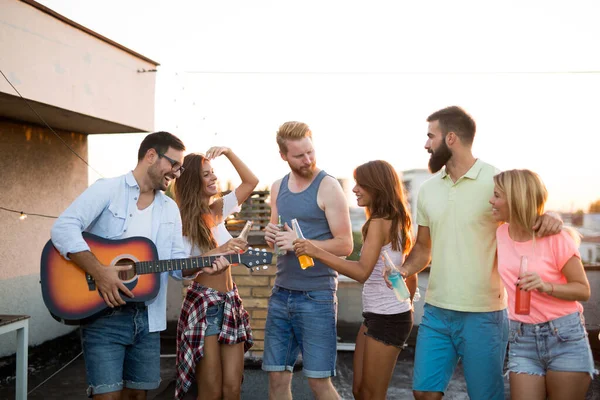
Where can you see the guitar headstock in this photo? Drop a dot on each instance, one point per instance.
(253, 258)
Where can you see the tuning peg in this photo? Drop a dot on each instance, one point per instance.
(250, 248)
(266, 266)
(258, 268)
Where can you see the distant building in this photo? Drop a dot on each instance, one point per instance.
(590, 250)
(412, 180)
(591, 221)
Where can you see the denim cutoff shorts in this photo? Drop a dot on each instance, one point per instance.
(120, 351)
(301, 321)
(214, 319)
(558, 345)
(389, 329)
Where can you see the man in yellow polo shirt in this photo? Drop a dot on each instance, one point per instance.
(465, 306)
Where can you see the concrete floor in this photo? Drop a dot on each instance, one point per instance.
(70, 383)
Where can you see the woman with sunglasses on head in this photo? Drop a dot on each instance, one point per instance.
(387, 320)
(213, 331)
(549, 355)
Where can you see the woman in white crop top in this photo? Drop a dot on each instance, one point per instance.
(387, 321)
(212, 300)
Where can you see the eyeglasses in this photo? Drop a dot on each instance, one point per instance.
(176, 167)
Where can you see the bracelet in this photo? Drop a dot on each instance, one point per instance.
(551, 291)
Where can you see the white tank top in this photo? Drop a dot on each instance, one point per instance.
(376, 296)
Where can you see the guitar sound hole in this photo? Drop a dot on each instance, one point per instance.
(128, 274)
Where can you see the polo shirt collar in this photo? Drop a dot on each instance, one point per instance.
(472, 173)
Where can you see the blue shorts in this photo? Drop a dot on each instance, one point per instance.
(479, 339)
(303, 322)
(214, 319)
(120, 352)
(558, 345)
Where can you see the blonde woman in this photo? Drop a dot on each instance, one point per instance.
(549, 354)
(213, 331)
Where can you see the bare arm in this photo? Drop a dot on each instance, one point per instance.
(412, 282)
(577, 287)
(249, 180)
(420, 255)
(332, 200)
(548, 224)
(358, 270)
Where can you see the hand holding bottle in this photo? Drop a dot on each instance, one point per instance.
(395, 279)
(285, 239)
(304, 247)
(305, 261)
(522, 298)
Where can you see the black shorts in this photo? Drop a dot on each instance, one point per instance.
(390, 329)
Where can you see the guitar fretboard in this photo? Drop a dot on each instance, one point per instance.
(150, 267)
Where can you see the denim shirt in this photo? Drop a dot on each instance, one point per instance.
(105, 209)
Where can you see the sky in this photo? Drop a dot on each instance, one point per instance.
(365, 76)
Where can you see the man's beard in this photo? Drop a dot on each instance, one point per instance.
(439, 158)
(305, 172)
(157, 179)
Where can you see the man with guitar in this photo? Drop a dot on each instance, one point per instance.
(121, 344)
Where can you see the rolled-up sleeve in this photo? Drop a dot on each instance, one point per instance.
(66, 231)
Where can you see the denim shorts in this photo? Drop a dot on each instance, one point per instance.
(392, 329)
(214, 319)
(477, 338)
(558, 345)
(120, 351)
(301, 321)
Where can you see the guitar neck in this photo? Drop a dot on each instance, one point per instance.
(183, 264)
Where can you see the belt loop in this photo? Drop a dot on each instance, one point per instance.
(552, 328)
(520, 328)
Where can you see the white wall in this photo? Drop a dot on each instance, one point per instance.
(57, 64)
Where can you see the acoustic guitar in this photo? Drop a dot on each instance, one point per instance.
(70, 294)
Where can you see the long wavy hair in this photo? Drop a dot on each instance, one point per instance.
(388, 201)
(193, 201)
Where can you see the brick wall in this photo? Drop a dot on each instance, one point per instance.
(255, 288)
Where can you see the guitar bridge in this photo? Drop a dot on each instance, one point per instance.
(90, 281)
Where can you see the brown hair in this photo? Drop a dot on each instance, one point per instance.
(455, 119)
(388, 201)
(191, 197)
(159, 141)
(291, 130)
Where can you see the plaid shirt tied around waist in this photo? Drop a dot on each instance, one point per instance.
(192, 327)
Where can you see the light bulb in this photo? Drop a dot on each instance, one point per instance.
(23, 216)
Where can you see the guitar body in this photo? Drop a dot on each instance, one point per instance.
(65, 288)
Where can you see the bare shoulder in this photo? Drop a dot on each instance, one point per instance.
(380, 223)
(379, 230)
(330, 184)
(275, 188)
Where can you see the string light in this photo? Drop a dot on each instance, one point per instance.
(23, 215)
(48, 126)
